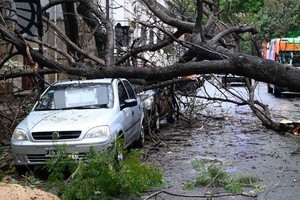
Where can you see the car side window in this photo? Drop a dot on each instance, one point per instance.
(129, 90)
(122, 93)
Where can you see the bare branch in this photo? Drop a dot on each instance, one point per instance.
(150, 47)
(237, 29)
(152, 5)
(64, 38)
(31, 39)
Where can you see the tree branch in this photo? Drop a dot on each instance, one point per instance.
(185, 26)
(67, 41)
(237, 29)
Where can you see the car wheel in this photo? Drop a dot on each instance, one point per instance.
(21, 169)
(277, 91)
(170, 118)
(270, 89)
(224, 81)
(140, 142)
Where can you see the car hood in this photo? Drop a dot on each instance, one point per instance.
(67, 119)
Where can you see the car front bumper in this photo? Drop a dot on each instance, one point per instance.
(32, 154)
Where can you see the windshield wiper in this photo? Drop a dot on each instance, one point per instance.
(96, 106)
(47, 109)
(42, 109)
(86, 107)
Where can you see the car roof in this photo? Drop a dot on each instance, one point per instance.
(103, 80)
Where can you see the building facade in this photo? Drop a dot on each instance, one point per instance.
(134, 26)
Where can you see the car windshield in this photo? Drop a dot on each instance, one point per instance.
(78, 96)
(290, 58)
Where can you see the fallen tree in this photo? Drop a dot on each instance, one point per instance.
(210, 45)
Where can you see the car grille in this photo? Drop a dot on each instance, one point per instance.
(40, 158)
(61, 135)
(37, 158)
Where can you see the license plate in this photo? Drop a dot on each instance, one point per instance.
(50, 152)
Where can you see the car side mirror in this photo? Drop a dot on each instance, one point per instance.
(129, 103)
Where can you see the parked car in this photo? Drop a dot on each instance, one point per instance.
(158, 104)
(277, 90)
(80, 115)
(231, 79)
(194, 82)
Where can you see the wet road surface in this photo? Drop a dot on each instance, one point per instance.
(235, 139)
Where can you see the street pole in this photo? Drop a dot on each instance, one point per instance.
(109, 54)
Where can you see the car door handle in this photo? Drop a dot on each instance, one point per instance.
(132, 112)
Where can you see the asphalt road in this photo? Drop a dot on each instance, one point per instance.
(287, 106)
(232, 137)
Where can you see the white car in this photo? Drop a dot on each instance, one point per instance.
(79, 115)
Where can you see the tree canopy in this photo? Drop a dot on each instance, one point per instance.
(278, 19)
(210, 45)
(191, 37)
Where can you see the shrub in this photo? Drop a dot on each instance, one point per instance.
(100, 175)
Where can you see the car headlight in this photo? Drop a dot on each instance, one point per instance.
(98, 132)
(19, 135)
(148, 102)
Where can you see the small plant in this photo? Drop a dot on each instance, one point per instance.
(214, 176)
(13, 64)
(27, 107)
(101, 175)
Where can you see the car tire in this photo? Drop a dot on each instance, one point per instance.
(277, 91)
(21, 169)
(223, 81)
(140, 142)
(270, 89)
(170, 118)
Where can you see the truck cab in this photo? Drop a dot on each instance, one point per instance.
(285, 51)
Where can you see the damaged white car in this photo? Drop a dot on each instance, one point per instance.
(79, 115)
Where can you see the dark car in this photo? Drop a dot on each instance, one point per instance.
(158, 104)
(231, 79)
(190, 83)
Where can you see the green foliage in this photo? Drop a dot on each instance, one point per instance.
(11, 64)
(245, 6)
(214, 176)
(278, 18)
(234, 187)
(169, 50)
(240, 11)
(274, 18)
(246, 45)
(27, 107)
(186, 9)
(100, 175)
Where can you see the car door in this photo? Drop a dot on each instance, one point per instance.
(128, 119)
(137, 111)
